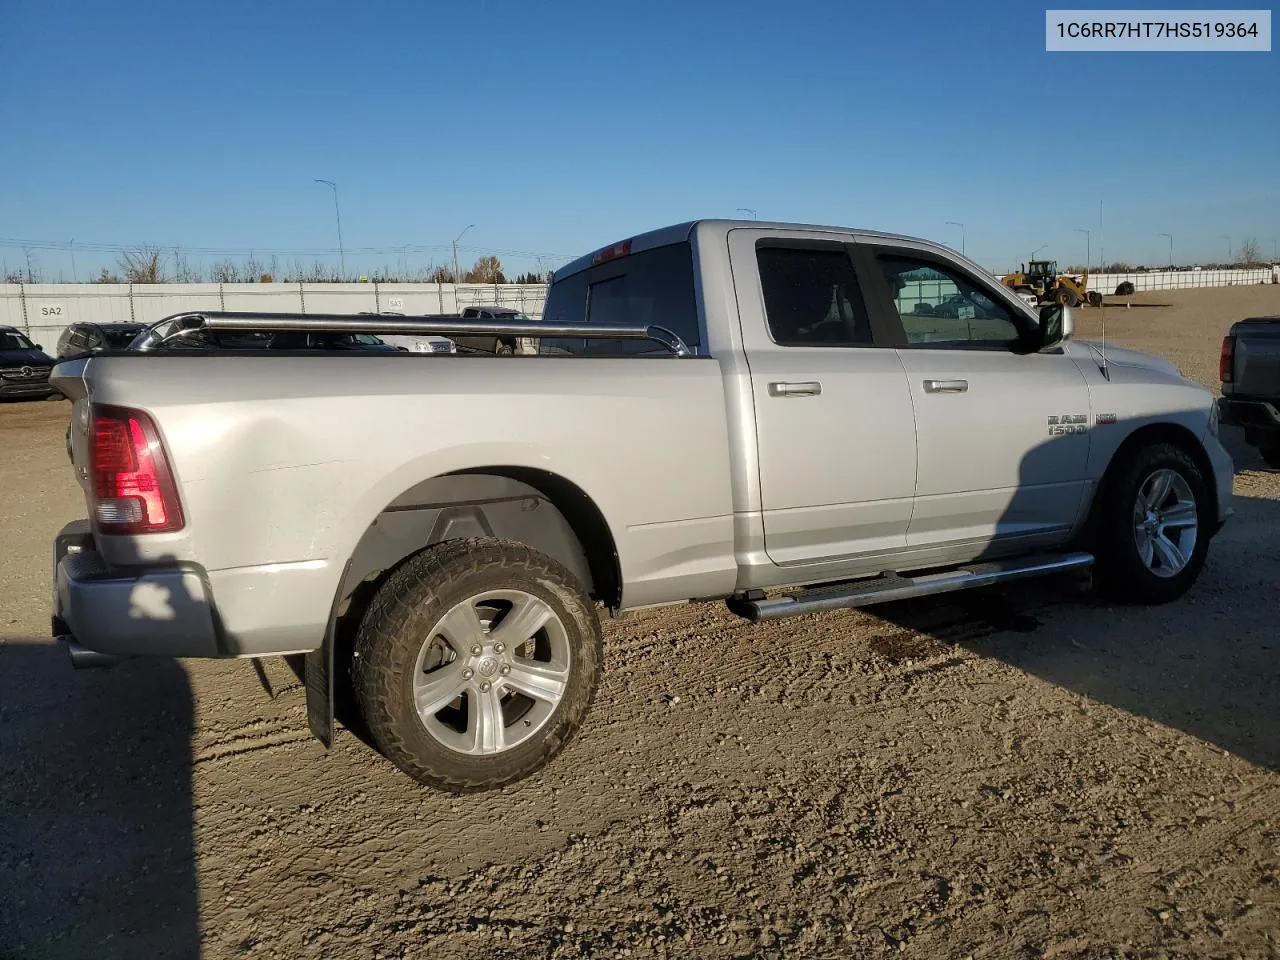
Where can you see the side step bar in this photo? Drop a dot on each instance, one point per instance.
(882, 589)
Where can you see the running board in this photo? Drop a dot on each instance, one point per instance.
(882, 589)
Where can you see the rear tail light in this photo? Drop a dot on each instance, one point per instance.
(1227, 359)
(133, 488)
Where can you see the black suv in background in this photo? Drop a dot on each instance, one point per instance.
(81, 338)
(24, 366)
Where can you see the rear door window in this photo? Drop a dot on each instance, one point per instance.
(650, 287)
(812, 298)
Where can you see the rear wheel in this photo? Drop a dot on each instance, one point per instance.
(476, 663)
(1153, 534)
(1095, 298)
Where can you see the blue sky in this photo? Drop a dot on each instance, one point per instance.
(556, 128)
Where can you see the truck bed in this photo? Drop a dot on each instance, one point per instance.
(286, 461)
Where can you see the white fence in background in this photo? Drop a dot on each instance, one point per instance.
(44, 310)
(1106, 283)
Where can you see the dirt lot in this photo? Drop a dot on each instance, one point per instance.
(1020, 774)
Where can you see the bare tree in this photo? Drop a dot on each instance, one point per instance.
(253, 270)
(183, 271)
(440, 275)
(224, 271)
(106, 276)
(316, 273)
(143, 264)
(1249, 254)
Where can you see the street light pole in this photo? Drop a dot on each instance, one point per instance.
(750, 211)
(342, 257)
(1088, 241)
(74, 278)
(1170, 236)
(456, 278)
(1037, 250)
(956, 223)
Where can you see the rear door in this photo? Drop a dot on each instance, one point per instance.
(835, 431)
(1003, 434)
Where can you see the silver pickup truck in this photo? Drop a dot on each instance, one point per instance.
(787, 418)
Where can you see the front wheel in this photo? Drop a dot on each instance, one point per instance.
(476, 663)
(1154, 527)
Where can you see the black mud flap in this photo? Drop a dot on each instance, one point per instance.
(319, 681)
(318, 673)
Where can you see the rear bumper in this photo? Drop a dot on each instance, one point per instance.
(1251, 414)
(166, 612)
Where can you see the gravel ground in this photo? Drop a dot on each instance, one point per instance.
(1026, 773)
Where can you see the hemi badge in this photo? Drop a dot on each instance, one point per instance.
(1103, 419)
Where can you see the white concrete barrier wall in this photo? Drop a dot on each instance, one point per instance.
(45, 310)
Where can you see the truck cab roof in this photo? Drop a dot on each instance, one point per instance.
(678, 232)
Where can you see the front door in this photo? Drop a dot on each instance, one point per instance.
(1003, 434)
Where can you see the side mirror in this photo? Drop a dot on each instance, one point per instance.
(1057, 324)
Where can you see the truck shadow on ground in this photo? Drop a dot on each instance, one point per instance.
(1206, 664)
(97, 808)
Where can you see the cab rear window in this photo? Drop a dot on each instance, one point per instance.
(651, 287)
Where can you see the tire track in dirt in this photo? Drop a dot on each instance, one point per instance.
(250, 738)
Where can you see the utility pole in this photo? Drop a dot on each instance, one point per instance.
(456, 278)
(954, 223)
(1170, 236)
(74, 279)
(1088, 239)
(342, 257)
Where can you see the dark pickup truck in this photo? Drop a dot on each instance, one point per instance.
(1249, 369)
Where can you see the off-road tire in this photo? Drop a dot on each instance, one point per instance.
(1125, 288)
(1066, 298)
(407, 607)
(1119, 573)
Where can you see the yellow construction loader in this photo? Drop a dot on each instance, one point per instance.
(1042, 279)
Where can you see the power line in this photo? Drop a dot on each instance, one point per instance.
(385, 250)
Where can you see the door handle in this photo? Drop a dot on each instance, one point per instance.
(946, 386)
(808, 389)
